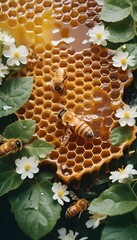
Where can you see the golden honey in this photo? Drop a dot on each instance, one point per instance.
(55, 33)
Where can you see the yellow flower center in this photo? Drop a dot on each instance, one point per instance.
(126, 115)
(60, 193)
(124, 61)
(99, 35)
(16, 55)
(27, 166)
(121, 170)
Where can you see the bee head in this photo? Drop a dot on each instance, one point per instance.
(58, 89)
(19, 144)
(61, 113)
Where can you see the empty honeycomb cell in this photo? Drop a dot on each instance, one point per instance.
(41, 133)
(12, 23)
(71, 96)
(79, 159)
(39, 92)
(87, 87)
(12, 14)
(96, 159)
(59, 133)
(43, 124)
(87, 155)
(38, 21)
(87, 96)
(97, 141)
(22, 2)
(105, 154)
(63, 150)
(47, 4)
(92, 86)
(37, 110)
(79, 100)
(51, 129)
(66, 9)
(79, 150)
(96, 65)
(96, 150)
(53, 119)
(82, 19)
(115, 94)
(49, 138)
(29, 6)
(104, 72)
(87, 70)
(71, 146)
(71, 155)
(4, 8)
(63, 64)
(61, 159)
(78, 168)
(66, 19)
(104, 54)
(66, 171)
(96, 75)
(87, 164)
(70, 164)
(29, 114)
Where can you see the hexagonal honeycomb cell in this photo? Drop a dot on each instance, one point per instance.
(55, 33)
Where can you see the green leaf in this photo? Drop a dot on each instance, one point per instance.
(131, 48)
(122, 31)
(118, 199)
(9, 179)
(46, 176)
(134, 9)
(115, 10)
(119, 135)
(22, 129)
(38, 148)
(120, 232)
(14, 93)
(34, 208)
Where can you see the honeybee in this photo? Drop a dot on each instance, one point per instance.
(78, 125)
(58, 81)
(10, 146)
(79, 206)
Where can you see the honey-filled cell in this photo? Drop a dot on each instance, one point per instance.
(92, 87)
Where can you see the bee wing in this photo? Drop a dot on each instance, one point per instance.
(3, 139)
(66, 136)
(73, 196)
(88, 117)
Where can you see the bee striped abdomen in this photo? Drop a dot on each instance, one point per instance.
(72, 211)
(83, 130)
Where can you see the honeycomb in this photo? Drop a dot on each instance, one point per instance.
(55, 32)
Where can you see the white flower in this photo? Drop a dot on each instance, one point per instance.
(60, 193)
(126, 115)
(70, 236)
(6, 39)
(16, 55)
(122, 174)
(95, 220)
(3, 69)
(122, 59)
(26, 167)
(98, 35)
